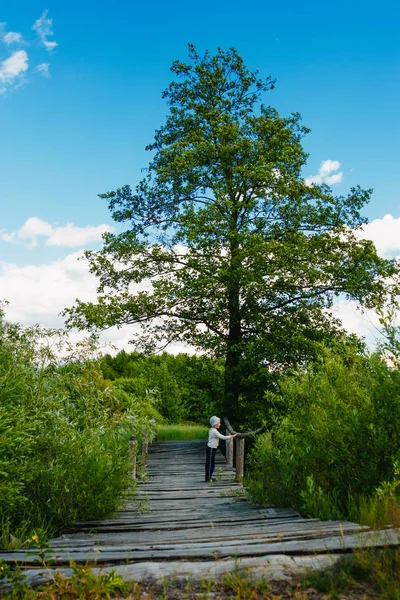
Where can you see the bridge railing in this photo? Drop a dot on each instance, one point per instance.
(235, 448)
(133, 449)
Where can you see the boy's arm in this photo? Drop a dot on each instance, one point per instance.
(223, 437)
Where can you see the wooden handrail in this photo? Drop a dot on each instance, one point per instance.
(145, 448)
(132, 454)
(247, 433)
(239, 441)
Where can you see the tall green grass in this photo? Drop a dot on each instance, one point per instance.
(371, 570)
(181, 432)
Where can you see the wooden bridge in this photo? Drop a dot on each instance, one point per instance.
(178, 526)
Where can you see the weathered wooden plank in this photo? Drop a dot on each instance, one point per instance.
(164, 531)
(111, 541)
(275, 568)
(221, 531)
(208, 546)
(217, 517)
(179, 517)
(195, 524)
(328, 544)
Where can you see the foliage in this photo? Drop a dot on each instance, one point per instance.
(235, 253)
(63, 433)
(183, 386)
(83, 583)
(375, 571)
(335, 450)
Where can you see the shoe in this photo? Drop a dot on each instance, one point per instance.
(211, 481)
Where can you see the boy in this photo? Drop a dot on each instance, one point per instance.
(213, 441)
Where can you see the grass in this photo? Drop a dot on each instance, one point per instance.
(182, 431)
(367, 571)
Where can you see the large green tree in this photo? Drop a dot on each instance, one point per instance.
(225, 246)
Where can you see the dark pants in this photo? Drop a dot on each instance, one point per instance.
(210, 462)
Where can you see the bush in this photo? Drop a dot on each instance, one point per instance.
(64, 433)
(338, 440)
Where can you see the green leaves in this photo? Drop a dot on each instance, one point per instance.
(223, 237)
(64, 432)
(336, 434)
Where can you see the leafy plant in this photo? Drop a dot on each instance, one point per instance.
(64, 434)
(335, 448)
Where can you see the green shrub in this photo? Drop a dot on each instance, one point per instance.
(64, 433)
(338, 440)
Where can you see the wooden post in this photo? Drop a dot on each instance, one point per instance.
(239, 459)
(132, 454)
(145, 447)
(229, 451)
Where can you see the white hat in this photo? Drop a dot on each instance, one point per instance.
(214, 421)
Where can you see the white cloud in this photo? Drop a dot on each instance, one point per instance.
(34, 227)
(39, 293)
(13, 67)
(385, 233)
(43, 68)
(13, 37)
(68, 235)
(44, 29)
(71, 235)
(50, 46)
(331, 179)
(327, 167)
(362, 323)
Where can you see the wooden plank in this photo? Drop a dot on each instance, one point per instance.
(275, 568)
(225, 531)
(194, 529)
(329, 544)
(209, 547)
(183, 518)
(256, 537)
(164, 527)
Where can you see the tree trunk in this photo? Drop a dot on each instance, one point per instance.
(234, 349)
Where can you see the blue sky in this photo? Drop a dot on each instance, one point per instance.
(78, 126)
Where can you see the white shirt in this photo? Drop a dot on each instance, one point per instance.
(214, 436)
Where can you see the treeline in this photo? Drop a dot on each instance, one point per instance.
(183, 387)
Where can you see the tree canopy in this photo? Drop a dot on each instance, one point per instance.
(225, 246)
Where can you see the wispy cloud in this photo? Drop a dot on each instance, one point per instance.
(326, 173)
(68, 235)
(44, 29)
(13, 68)
(43, 68)
(13, 37)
